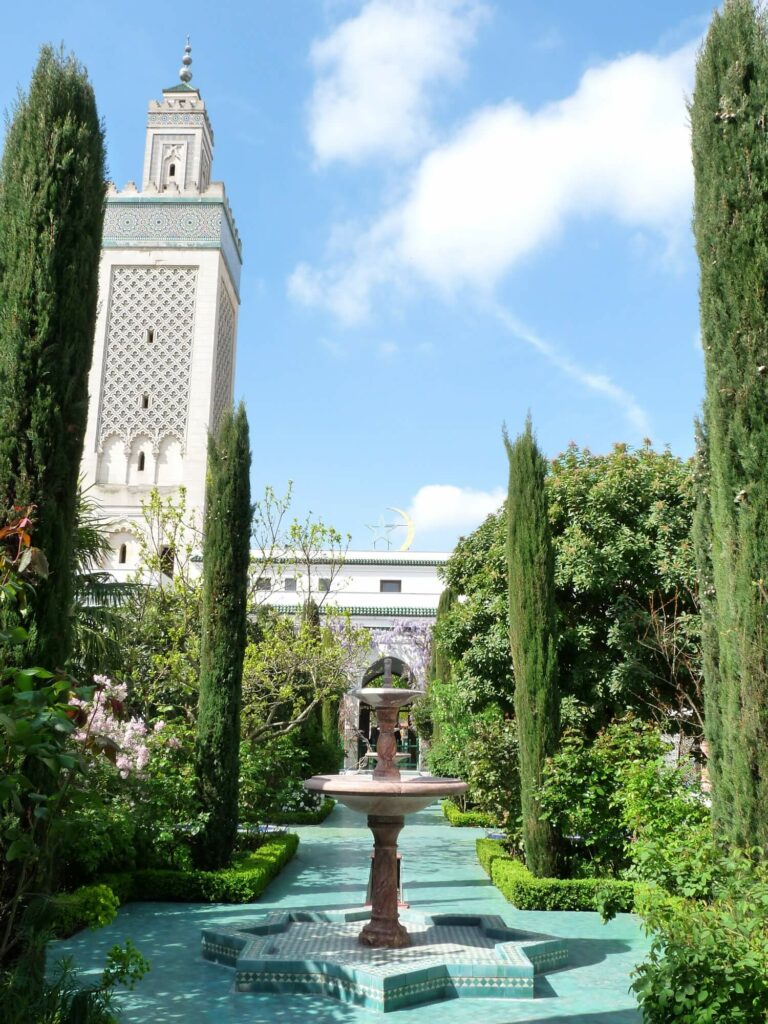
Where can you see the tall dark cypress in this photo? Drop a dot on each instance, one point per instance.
(532, 637)
(226, 552)
(440, 665)
(729, 117)
(52, 189)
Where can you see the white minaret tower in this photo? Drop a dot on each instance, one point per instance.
(164, 355)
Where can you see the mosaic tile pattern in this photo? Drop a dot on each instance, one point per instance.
(451, 956)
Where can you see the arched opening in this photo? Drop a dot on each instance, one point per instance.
(387, 671)
(140, 465)
(122, 555)
(145, 401)
(172, 171)
(150, 335)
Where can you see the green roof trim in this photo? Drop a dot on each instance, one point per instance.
(394, 562)
(399, 613)
(182, 87)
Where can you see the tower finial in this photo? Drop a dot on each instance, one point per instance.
(184, 73)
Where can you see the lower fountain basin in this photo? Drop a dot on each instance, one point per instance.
(452, 956)
(386, 797)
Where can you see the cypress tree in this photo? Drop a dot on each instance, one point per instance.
(226, 554)
(729, 116)
(52, 191)
(532, 637)
(440, 667)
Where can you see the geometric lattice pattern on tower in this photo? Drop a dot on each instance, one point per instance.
(225, 355)
(148, 354)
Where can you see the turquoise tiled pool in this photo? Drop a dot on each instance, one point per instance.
(441, 875)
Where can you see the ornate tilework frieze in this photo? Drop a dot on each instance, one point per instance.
(148, 354)
(169, 222)
(225, 356)
(180, 119)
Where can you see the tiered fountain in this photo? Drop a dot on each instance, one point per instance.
(383, 967)
(386, 797)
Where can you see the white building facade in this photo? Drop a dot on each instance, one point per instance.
(395, 595)
(377, 589)
(164, 355)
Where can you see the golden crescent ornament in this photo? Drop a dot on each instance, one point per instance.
(408, 523)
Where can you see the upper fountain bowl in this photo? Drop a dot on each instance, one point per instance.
(390, 797)
(386, 696)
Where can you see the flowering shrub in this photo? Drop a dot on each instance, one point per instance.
(123, 739)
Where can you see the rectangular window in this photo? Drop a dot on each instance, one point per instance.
(289, 583)
(390, 586)
(324, 584)
(264, 583)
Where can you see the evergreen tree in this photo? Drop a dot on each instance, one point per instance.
(729, 115)
(440, 664)
(532, 637)
(52, 191)
(226, 554)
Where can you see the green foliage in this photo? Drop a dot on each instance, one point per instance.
(628, 640)
(533, 638)
(160, 622)
(619, 805)
(467, 819)
(731, 175)
(51, 214)
(242, 883)
(292, 669)
(37, 760)
(709, 958)
(271, 774)
(488, 850)
(303, 817)
(63, 998)
(526, 892)
(226, 557)
(98, 832)
(582, 793)
(97, 626)
(91, 906)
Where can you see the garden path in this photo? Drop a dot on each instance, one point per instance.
(441, 874)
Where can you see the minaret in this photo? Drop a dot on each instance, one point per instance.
(164, 355)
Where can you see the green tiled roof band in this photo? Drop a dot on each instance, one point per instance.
(406, 613)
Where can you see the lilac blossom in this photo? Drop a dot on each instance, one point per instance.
(106, 727)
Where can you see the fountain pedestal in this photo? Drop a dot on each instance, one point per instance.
(386, 797)
(384, 928)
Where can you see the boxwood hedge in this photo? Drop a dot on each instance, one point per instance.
(526, 892)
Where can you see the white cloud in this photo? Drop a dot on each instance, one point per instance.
(376, 72)
(510, 180)
(599, 383)
(388, 349)
(437, 507)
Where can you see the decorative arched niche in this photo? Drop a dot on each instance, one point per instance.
(112, 465)
(141, 463)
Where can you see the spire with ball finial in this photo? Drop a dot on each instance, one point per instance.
(184, 73)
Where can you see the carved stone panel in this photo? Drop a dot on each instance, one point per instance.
(225, 357)
(148, 354)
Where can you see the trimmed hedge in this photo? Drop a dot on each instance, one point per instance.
(243, 883)
(467, 819)
(95, 905)
(304, 817)
(526, 892)
(489, 850)
(91, 906)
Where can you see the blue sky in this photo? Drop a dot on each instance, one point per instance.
(452, 211)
